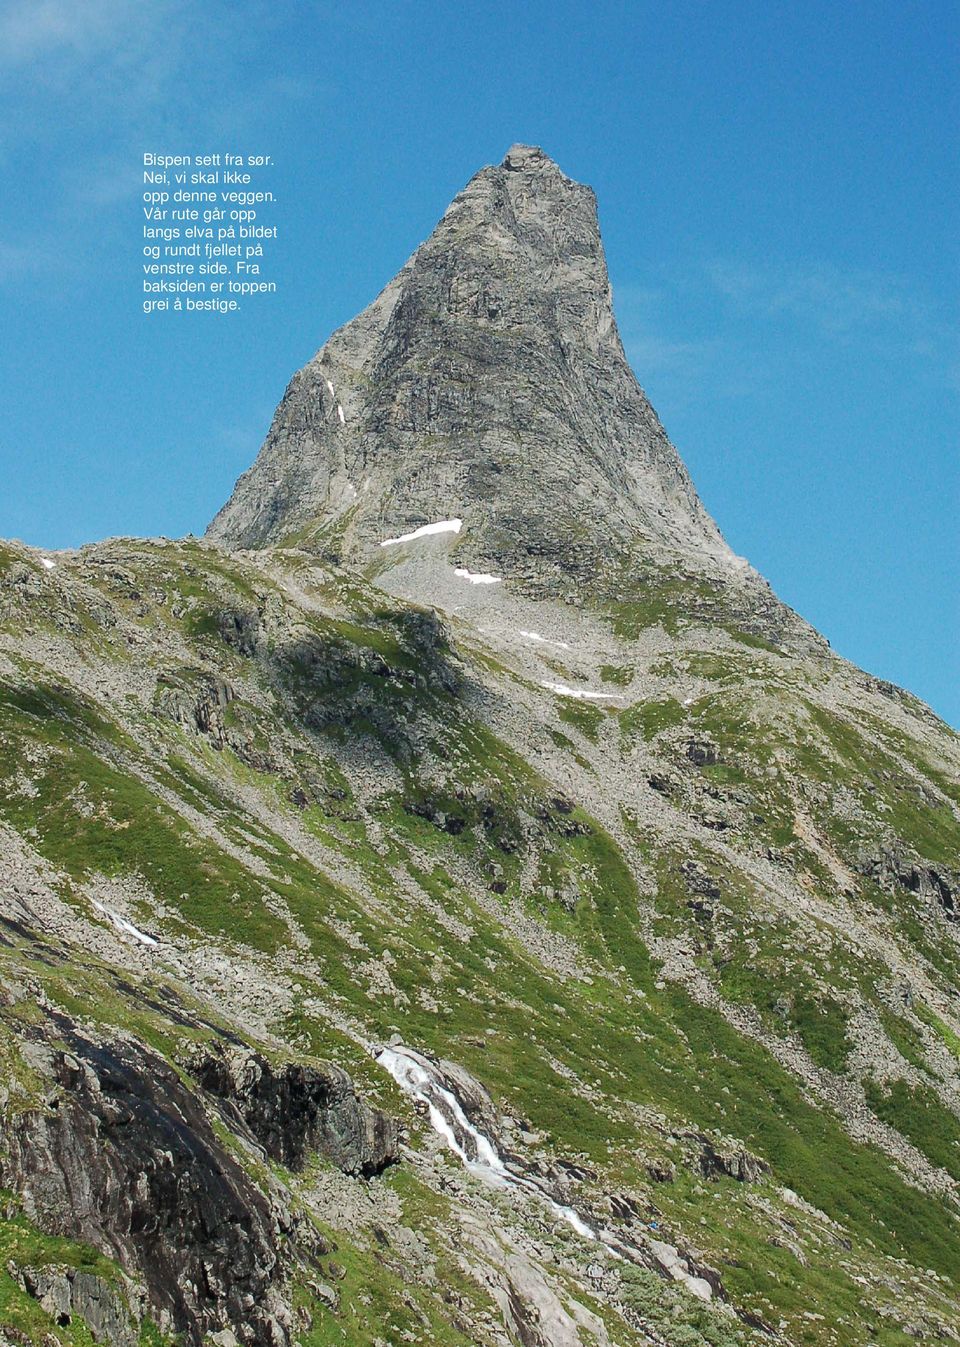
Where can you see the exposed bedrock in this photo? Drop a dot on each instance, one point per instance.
(294, 1109)
(122, 1156)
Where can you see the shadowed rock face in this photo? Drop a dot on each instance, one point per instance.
(124, 1158)
(488, 383)
(294, 1109)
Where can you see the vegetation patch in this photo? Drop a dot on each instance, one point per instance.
(649, 719)
(584, 717)
(917, 1113)
(619, 674)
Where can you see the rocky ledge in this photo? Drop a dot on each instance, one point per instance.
(121, 1154)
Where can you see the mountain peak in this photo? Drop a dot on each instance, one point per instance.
(486, 383)
(527, 158)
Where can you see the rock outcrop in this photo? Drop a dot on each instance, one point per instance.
(294, 1110)
(122, 1156)
(68, 1293)
(487, 384)
(937, 887)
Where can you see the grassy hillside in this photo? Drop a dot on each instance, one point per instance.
(711, 914)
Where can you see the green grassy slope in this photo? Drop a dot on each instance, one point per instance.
(349, 821)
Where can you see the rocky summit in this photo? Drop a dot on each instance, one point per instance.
(456, 902)
(487, 382)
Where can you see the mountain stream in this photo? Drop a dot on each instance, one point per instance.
(421, 1078)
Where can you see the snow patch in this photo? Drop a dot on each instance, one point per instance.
(47, 564)
(579, 694)
(330, 386)
(444, 526)
(478, 579)
(343, 419)
(544, 640)
(123, 926)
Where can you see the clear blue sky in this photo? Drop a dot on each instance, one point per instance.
(777, 186)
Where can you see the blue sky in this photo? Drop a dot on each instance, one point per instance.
(777, 187)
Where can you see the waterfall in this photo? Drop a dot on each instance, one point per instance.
(419, 1077)
(423, 1080)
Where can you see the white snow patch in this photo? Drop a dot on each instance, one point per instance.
(444, 526)
(579, 694)
(688, 701)
(343, 419)
(478, 579)
(544, 640)
(124, 926)
(47, 563)
(330, 386)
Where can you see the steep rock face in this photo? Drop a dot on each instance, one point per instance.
(295, 1109)
(117, 1151)
(123, 1157)
(486, 383)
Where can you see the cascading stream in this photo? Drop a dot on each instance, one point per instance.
(478, 1152)
(447, 1117)
(421, 1079)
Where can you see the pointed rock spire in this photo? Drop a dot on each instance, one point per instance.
(486, 383)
